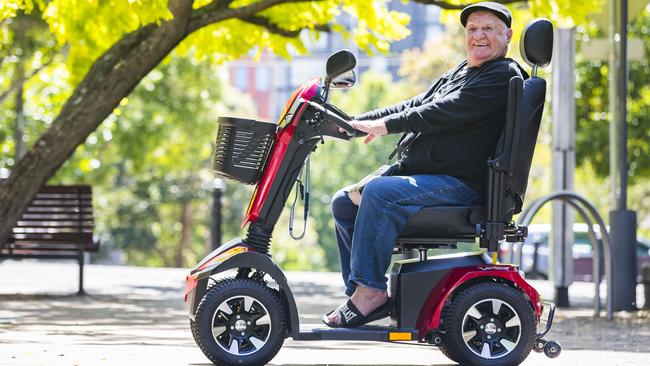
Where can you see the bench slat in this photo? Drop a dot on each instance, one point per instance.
(49, 201)
(45, 246)
(54, 216)
(53, 246)
(56, 205)
(62, 237)
(38, 255)
(58, 210)
(43, 231)
(65, 189)
(55, 220)
(62, 198)
(67, 227)
(63, 194)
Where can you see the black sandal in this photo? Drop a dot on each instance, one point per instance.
(351, 317)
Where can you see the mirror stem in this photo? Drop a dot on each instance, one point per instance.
(326, 86)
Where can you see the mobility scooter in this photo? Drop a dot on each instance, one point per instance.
(478, 312)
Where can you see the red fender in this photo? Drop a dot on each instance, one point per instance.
(429, 317)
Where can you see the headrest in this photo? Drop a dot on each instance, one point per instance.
(536, 44)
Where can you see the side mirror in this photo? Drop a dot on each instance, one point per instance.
(344, 80)
(338, 64)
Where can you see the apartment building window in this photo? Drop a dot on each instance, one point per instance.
(262, 78)
(240, 78)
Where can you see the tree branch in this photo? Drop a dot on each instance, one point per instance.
(449, 6)
(271, 27)
(323, 28)
(276, 29)
(217, 5)
(208, 15)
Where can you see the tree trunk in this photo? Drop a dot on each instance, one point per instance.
(186, 234)
(109, 80)
(19, 132)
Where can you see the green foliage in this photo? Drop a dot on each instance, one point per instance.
(375, 28)
(152, 156)
(91, 27)
(592, 109)
(592, 127)
(10, 8)
(566, 14)
(29, 57)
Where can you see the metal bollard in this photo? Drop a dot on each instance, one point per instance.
(645, 280)
(218, 187)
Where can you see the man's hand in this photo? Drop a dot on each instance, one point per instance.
(375, 127)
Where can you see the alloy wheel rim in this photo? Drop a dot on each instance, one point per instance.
(491, 328)
(241, 325)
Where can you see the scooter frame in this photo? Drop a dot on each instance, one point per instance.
(420, 288)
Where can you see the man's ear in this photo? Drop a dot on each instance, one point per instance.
(509, 34)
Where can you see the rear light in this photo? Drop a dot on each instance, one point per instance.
(191, 282)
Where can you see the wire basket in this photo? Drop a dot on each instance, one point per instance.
(242, 148)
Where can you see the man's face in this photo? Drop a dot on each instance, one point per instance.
(486, 37)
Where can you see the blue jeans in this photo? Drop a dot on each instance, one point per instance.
(366, 234)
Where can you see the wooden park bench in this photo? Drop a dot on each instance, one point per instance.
(58, 224)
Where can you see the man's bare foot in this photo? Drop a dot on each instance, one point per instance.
(365, 299)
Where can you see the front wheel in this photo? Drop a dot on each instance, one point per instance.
(240, 322)
(488, 324)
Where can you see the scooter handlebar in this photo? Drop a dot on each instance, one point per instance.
(335, 118)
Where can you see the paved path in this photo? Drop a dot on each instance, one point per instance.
(135, 316)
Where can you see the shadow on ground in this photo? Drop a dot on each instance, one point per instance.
(152, 312)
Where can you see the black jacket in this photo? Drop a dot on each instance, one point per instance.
(455, 125)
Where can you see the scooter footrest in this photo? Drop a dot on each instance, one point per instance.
(365, 333)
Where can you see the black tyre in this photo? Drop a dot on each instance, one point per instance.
(193, 327)
(195, 331)
(488, 324)
(240, 322)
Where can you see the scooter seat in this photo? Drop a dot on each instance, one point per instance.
(446, 222)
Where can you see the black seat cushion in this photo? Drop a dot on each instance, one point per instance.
(444, 222)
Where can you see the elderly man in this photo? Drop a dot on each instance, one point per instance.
(450, 131)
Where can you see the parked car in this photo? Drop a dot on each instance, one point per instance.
(538, 235)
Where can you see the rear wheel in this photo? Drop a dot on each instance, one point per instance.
(240, 322)
(488, 324)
